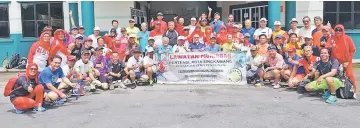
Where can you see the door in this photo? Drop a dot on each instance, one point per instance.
(252, 13)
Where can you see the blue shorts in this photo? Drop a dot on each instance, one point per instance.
(138, 74)
(48, 90)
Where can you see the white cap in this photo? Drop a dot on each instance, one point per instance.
(96, 28)
(236, 26)
(149, 49)
(193, 19)
(132, 35)
(277, 23)
(293, 20)
(151, 38)
(263, 19)
(181, 38)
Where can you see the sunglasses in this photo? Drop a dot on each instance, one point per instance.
(33, 69)
(338, 30)
(306, 21)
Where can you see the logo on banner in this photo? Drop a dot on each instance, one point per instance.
(234, 75)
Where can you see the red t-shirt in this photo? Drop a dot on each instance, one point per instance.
(305, 63)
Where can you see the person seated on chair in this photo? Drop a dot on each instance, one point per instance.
(304, 64)
(100, 64)
(325, 72)
(255, 67)
(85, 68)
(274, 62)
(48, 79)
(150, 65)
(27, 89)
(116, 69)
(134, 65)
(290, 61)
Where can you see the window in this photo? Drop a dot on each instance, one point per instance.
(342, 12)
(4, 21)
(35, 16)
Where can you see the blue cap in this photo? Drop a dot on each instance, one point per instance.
(279, 36)
(272, 48)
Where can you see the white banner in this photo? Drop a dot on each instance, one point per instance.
(203, 68)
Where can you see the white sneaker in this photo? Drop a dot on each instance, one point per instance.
(122, 85)
(276, 86)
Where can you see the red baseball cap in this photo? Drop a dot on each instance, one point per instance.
(291, 50)
(88, 39)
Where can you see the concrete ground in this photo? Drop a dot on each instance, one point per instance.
(189, 106)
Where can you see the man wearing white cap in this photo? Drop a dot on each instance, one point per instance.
(192, 26)
(95, 36)
(278, 31)
(181, 46)
(293, 23)
(150, 64)
(263, 29)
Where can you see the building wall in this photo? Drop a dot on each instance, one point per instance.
(308, 8)
(106, 11)
(226, 6)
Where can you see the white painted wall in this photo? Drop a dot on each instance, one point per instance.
(107, 11)
(15, 17)
(66, 16)
(308, 8)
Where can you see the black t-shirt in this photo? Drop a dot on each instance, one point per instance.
(116, 67)
(25, 83)
(326, 67)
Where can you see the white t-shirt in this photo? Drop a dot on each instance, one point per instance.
(254, 61)
(83, 68)
(158, 40)
(296, 31)
(303, 32)
(132, 61)
(181, 49)
(94, 43)
(192, 29)
(267, 31)
(148, 60)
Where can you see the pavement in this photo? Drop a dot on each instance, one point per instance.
(189, 106)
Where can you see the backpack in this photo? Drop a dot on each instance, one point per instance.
(346, 91)
(10, 86)
(14, 61)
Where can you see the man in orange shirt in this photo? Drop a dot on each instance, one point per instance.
(317, 33)
(159, 17)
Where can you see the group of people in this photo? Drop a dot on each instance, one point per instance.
(61, 61)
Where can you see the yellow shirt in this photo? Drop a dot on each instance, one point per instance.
(274, 33)
(227, 46)
(134, 31)
(299, 51)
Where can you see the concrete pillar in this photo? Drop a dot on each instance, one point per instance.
(15, 28)
(73, 6)
(273, 13)
(290, 12)
(87, 15)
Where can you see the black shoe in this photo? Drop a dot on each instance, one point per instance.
(92, 90)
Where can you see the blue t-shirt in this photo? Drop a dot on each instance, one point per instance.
(251, 31)
(215, 48)
(49, 76)
(194, 47)
(162, 49)
(217, 25)
(144, 39)
(300, 70)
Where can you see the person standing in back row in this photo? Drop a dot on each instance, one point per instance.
(163, 25)
(172, 34)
